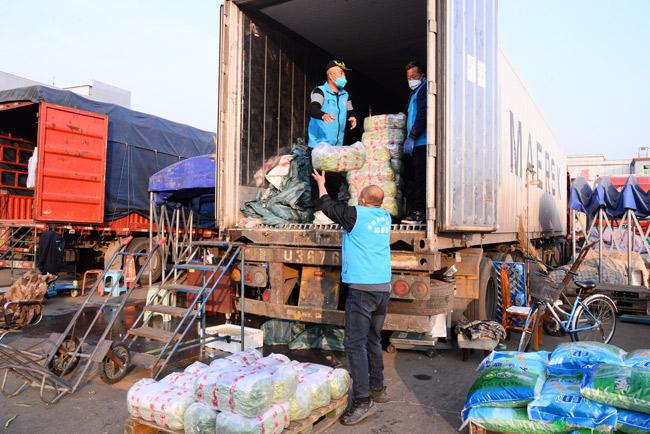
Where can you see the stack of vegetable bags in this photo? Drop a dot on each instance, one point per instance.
(382, 139)
(242, 393)
(587, 387)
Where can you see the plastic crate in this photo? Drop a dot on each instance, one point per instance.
(253, 338)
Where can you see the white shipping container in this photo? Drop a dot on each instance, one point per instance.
(533, 164)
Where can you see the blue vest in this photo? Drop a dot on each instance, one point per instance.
(335, 104)
(420, 140)
(366, 250)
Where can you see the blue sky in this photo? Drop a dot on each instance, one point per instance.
(586, 62)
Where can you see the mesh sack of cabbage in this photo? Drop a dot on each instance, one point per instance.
(186, 380)
(199, 418)
(619, 386)
(385, 136)
(382, 122)
(339, 378)
(247, 391)
(272, 421)
(378, 153)
(632, 422)
(561, 400)
(574, 358)
(283, 374)
(196, 368)
(507, 379)
(161, 403)
(638, 359)
(512, 420)
(338, 158)
(394, 148)
(314, 384)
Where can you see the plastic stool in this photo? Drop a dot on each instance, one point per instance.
(117, 284)
(98, 273)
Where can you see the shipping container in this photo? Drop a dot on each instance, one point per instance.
(492, 160)
(94, 161)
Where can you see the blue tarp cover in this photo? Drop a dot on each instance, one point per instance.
(139, 145)
(184, 180)
(604, 194)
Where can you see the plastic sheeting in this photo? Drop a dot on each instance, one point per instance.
(139, 145)
(604, 194)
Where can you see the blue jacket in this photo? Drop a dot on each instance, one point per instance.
(416, 121)
(333, 132)
(366, 248)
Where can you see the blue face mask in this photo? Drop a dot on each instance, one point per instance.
(341, 82)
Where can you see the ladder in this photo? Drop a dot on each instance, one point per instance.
(18, 244)
(71, 353)
(178, 338)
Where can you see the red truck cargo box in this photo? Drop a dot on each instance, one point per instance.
(71, 171)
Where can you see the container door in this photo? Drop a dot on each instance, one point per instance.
(470, 150)
(71, 170)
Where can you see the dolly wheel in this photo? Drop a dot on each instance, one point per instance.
(63, 362)
(390, 349)
(115, 364)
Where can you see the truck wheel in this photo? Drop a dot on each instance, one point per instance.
(141, 245)
(486, 306)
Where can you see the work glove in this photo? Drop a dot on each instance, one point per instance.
(409, 144)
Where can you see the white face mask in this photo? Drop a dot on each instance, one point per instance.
(413, 84)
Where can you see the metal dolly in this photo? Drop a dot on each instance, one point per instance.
(52, 372)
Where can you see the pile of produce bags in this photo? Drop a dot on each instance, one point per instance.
(382, 139)
(242, 393)
(587, 387)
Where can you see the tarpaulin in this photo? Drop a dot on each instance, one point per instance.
(605, 195)
(139, 145)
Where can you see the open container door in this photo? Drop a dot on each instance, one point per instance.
(470, 152)
(71, 170)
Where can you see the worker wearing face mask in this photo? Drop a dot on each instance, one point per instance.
(330, 109)
(416, 141)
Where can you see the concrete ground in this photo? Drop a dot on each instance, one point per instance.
(427, 394)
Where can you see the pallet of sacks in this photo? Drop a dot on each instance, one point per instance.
(242, 393)
(581, 387)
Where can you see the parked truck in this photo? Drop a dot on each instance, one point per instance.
(93, 163)
(494, 167)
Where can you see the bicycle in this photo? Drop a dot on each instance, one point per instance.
(590, 319)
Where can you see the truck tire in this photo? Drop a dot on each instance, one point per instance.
(485, 307)
(141, 245)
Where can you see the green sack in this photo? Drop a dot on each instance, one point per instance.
(619, 386)
(513, 420)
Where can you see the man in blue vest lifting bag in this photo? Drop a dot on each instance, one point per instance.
(415, 144)
(366, 270)
(330, 109)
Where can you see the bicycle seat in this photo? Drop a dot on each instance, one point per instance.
(587, 285)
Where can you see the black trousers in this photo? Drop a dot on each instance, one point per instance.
(417, 194)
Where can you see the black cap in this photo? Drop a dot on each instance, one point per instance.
(339, 63)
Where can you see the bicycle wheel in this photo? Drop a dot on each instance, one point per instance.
(528, 331)
(595, 309)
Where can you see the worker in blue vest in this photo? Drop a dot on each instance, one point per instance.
(366, 270)
(415, 144)
(330, 110)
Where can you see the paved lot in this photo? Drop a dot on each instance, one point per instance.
(427, 394)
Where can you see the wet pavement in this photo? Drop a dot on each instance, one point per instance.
(426, 393)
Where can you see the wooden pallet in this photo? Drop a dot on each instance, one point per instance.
(474, 429)
(135, 425)
(319, 421)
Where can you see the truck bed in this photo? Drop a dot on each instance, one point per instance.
(312, 235)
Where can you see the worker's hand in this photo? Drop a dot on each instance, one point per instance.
(353, 122)
(409, 144)
(327, 118)
(319, 177)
